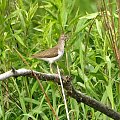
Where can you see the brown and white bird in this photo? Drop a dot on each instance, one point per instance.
(53, 54)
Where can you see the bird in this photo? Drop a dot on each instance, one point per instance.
(52, 54)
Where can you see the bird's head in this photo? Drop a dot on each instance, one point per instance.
(63, 37)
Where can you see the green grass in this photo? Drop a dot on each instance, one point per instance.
(31, 26)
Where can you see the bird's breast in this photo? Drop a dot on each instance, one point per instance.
(60, 52)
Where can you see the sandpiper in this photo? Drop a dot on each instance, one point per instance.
(53, 54)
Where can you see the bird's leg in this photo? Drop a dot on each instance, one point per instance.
(51, 68)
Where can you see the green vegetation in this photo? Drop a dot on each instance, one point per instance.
(90, 57)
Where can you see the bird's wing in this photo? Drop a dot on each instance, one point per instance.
(52, 52)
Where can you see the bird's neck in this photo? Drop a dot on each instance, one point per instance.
(61, 44)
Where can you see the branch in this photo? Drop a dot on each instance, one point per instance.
(80, 97)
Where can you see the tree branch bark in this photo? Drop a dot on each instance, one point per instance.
(71, 91)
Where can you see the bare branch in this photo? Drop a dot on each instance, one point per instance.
(80, 97)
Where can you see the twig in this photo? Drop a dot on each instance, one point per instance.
(63, 93)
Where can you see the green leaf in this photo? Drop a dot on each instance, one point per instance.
(32, 10)
(35, 86)
(18, 38)
(98, 25)
(90, 16)
(110, 94)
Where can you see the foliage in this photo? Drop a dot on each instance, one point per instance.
(31, 26)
